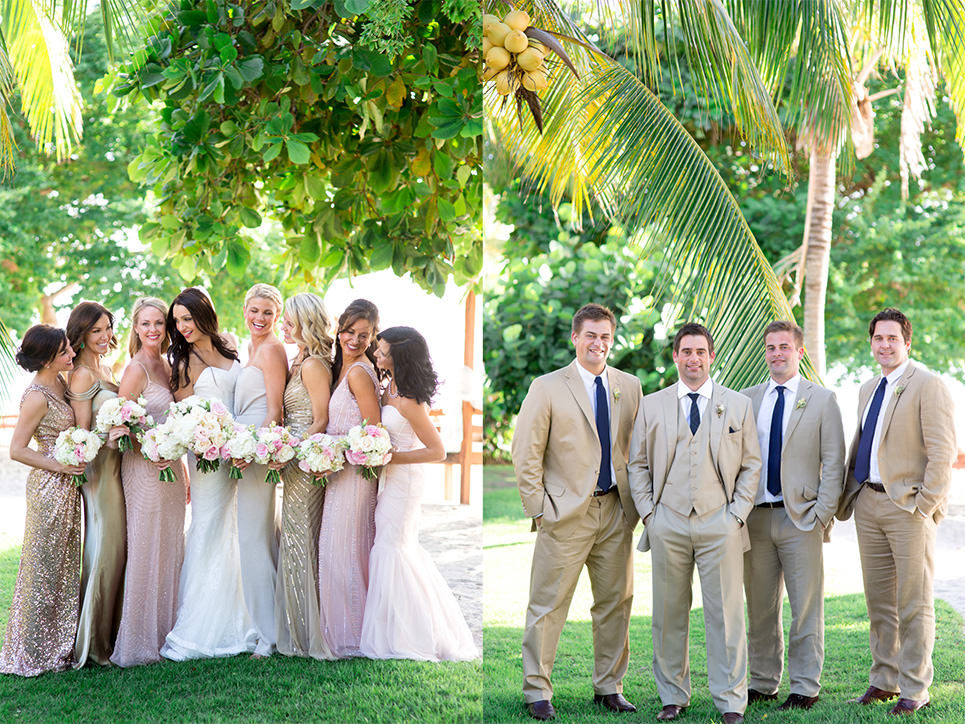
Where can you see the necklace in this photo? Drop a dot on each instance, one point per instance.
(395, 394)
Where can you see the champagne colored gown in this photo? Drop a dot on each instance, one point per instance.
(105, 534)
(347, 534)
(410, 613)
(296, 588)
(43, 616)
(155, 549)
(257, 534)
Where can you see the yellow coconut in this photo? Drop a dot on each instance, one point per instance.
(489, 73)
(537, 44)
(498, 32)
(528, 82)
(517, 19)
(505, 83)
(487, 44)
(540, 81)
(516, 41)
(529, 59)
(497, 58)
(488, 22)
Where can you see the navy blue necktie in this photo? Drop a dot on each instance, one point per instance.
(603, 431)
(774, 444)
(694, 412)
(862, 463)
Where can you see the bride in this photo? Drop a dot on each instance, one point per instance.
(410, 613)
(212, 618)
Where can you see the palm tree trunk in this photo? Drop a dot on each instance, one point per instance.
(817, 242)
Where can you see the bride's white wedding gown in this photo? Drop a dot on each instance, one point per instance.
(212, 617)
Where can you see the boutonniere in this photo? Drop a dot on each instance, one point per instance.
(802, 403)
(616, 394)
(898, 390)
(719, 410)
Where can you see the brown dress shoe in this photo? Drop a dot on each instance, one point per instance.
(669, 712)
(875, 694)
(732, 717)
(614, 702)
(908, 706)
(541, 710)
(798, 701)
(753, 696)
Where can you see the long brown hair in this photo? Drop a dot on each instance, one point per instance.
(358, 309)
(205, 320)
(82, 319)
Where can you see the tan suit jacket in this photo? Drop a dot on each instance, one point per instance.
(916, 448)
(812, 455)
(734, 450)
(556, 450)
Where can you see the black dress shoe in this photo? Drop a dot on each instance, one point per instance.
(798, 701)
(614, 702)
(875, 694)
(669, 712)
(908, 706)
(541, 710)
(753, 695)
(732, 717)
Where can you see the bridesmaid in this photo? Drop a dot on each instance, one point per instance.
(307, 324)
(155, 509)
(348, 518)
(90, 330)
(258, 401)
(43, 615)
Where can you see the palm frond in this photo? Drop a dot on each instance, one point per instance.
(38, 52)
(945, 24)
(7, 363)
(805, 42)
(8, 145)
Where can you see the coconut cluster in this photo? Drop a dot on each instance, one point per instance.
(513, 59)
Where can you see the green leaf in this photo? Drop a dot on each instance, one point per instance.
(170, 222)
(348, 8)
(308, 250)
(271, 153)
(447, 212)
(381, 256)
(462, 174)
(314, 186)
(298, 152)
(369, 61)
(188, 267)
(249, 217)
(443, 164)
(238, 257)
(251, 68)
(430, 56)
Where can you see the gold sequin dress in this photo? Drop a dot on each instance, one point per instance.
(296, 586)
(43, 616)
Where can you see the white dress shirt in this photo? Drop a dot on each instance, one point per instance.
(764, 416)
(589, 382)
(703, 402)
(874, 475)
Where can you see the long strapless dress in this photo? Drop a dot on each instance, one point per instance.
(346, 536)
(212, 617)
(105, 534)
(257, 534)
(43, 616)
(296, 588)
(155, 548)
(410, 613)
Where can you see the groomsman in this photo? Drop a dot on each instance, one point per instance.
(570, 456)
(802, 452)
(898, 476)
(694, 468)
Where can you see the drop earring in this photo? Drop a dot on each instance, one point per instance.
(82, 345)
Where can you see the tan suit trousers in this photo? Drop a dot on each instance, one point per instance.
(713, 542)
(898, 563)
(783, 554)
(602, 540)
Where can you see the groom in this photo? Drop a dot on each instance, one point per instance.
(570, 457)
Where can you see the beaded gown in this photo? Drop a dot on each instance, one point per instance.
(155, 550)
(43, 616)
(410, 613)
(296, 587)
(347, 534)
(212, 617)
(102, 575)
(257, 533)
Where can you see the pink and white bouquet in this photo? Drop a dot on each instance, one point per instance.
(240, 446)
(118, 412)
(160, 443)
(368, 446)
(77, 446)
(275, 444)
(204, 426)
(321, 454)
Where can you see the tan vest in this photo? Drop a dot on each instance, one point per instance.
(691, 483)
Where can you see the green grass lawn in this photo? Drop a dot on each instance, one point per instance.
(508, 548)
(277, 689)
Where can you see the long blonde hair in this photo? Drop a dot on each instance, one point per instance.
(134, 343)
(312, 324)
(264, 291)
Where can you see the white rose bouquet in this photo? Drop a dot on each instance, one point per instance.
(240, 446)
(160, 443)
(275, 444)
(204, 427)
(369, 447)
(77, 446)
(118, 412)
(321, 454)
